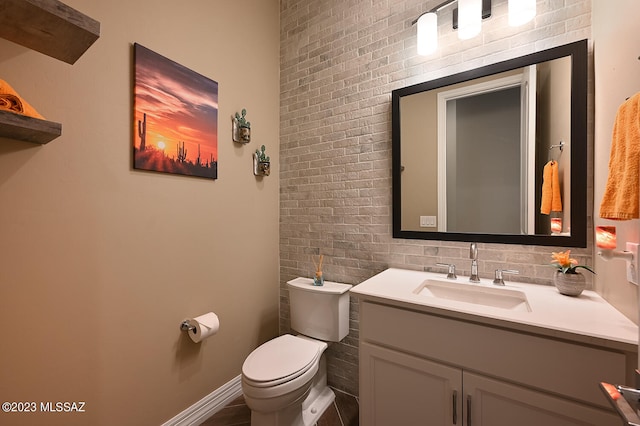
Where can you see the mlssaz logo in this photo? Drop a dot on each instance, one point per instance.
(62, 407)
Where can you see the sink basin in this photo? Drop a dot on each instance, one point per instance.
(477, 294)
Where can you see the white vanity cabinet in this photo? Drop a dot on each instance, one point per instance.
(397, 388)
(421, 368)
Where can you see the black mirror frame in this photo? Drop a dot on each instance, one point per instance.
(578, 51)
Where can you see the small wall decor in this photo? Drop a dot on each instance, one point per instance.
(175, 117)
(241, 128)
(261, 162)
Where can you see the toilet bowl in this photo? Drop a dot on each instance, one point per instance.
(282, 376)
(284, 380)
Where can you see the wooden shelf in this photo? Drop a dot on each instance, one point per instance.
(55, 29)
(48, 26)
(28, 129)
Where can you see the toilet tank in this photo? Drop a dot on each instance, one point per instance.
(321, 312)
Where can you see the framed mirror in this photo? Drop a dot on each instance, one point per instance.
(497, 154)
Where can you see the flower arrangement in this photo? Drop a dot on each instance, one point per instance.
(565, 264)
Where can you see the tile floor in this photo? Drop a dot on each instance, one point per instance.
(343, 412)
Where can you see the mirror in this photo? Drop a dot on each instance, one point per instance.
(473, 151)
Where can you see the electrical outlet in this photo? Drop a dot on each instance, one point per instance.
(632, 266)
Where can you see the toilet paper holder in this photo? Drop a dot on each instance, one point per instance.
(201, 327)
(186, 326)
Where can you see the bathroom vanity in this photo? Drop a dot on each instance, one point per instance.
(448, 352)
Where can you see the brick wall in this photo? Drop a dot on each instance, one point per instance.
(340, 60)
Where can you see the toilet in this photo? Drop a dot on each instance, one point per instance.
(284, 380)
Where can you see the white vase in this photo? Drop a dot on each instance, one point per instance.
(570, 284)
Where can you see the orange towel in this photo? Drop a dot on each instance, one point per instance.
(620, 200)
(11, 101)
(551, 200)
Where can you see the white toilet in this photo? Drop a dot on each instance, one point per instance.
(284, 380)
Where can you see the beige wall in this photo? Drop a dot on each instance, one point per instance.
(419, 128)
(615, 51)
(100, 263)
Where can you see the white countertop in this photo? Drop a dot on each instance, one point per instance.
(587, 318)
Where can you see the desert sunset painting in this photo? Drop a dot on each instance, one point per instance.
(175, 117)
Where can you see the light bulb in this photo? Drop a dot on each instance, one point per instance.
(469, 18)
(427, 33)
(521, 12)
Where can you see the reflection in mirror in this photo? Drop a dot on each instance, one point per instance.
(469, 152)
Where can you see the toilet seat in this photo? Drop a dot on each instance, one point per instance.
(280, 360)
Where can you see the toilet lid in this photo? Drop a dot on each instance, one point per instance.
(286, 356)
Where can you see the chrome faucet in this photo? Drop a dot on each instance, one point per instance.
(473, 255)
(451, 274)
(498, 280)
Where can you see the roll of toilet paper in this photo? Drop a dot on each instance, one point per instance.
(205, 326)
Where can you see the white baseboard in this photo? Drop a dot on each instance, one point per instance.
(209, 405)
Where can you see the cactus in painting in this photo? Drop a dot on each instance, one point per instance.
(142, 132)
(182, 152)
(198, 159)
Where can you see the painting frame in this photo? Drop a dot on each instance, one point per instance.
(175, 117)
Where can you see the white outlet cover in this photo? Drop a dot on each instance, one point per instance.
(632, 266)
(428, 221)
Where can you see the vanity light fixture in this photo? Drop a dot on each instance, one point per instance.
(467, 19)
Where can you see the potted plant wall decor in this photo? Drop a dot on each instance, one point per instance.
(261, 162)
(241, 130)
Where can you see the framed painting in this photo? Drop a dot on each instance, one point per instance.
(175, 117)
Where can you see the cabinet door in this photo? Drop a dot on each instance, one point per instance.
(496, 403)
(400, 389)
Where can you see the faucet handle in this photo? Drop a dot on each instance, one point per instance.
(498, 280)
(451, 274)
